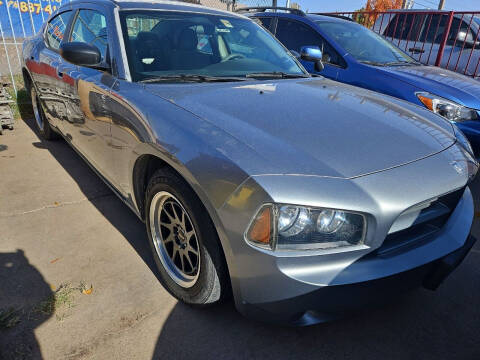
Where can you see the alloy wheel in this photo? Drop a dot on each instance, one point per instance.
(175, 239)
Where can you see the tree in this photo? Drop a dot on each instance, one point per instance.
(383, 5)
(366, 16)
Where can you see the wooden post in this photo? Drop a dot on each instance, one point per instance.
(441, 4)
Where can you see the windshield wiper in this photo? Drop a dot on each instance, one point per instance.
(400, 63)
(373, 63)
(190, 78)
(275, 75)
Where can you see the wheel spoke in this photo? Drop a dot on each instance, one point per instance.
(192, 250)
(189, 261)
(181, 260)
(183, 221)
(167, 226)
(170, 217)
(177, 218)
(189, 235)
(169, 238)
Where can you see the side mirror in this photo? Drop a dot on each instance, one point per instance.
(82, 54)
(466, 40)
(313, 54)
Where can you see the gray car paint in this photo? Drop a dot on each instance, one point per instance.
(240, 145)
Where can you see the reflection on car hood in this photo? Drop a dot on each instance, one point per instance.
(315, 126)
(445, 83)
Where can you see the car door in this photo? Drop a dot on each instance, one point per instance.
(45, 70)
(89, 124)
(294, 35)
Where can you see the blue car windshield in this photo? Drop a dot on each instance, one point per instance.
(173, 44)
(363, 44)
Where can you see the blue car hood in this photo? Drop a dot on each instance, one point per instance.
(445, 83)
(312, 126)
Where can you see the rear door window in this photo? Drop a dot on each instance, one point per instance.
(266, 22)
(55, 30)
(436, 25)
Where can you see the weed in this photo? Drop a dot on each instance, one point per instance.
(9, 318)
(61, 298)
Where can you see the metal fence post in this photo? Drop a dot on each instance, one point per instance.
(441, 50)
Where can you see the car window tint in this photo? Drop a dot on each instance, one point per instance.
(91, 27)
(265, 22)
(435, 26)
(405, 27)
(295, 35)
(459, 32)
(56, 29)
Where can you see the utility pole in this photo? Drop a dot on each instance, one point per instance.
(274, 3)
(441, 4)
(404, 4)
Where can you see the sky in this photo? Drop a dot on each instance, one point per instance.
(351, 5)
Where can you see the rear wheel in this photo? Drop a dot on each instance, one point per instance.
(184, 241)
(41, 122)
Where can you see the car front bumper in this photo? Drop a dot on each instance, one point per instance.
(333, 302)
(306, 288)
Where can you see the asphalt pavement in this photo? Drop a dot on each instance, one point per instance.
(77, 281)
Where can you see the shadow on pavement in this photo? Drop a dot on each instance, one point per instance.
(22, 289)
(95, 190)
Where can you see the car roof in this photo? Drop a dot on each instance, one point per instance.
(158, 5)
(309, 16)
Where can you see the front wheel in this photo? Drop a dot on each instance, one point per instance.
(41, 121)
(184, 242)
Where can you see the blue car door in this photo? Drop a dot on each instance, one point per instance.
(295, 34)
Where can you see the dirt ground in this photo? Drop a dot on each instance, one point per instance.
(77, 281)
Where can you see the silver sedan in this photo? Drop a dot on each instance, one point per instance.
(304, 197)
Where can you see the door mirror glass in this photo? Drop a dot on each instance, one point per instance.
(313, 54)
(466, 39)
(82, 54)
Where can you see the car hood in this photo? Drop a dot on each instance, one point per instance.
(313, 126)
(445, 83)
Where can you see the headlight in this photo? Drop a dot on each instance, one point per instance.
(462, 140)
(291, 227)
(446, 108)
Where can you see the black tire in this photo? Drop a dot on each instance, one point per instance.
(212, 285)
(41, 121)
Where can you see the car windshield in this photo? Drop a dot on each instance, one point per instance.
(363, 44)
(191, 46)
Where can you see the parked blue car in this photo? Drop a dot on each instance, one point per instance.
(353, 54)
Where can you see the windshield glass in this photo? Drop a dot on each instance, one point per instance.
(161, 44)
(363, 44)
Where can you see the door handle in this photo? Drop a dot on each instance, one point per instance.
(416, 50)
(60, 74)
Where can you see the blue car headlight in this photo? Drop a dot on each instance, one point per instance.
(292, 227)
(448, 109)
